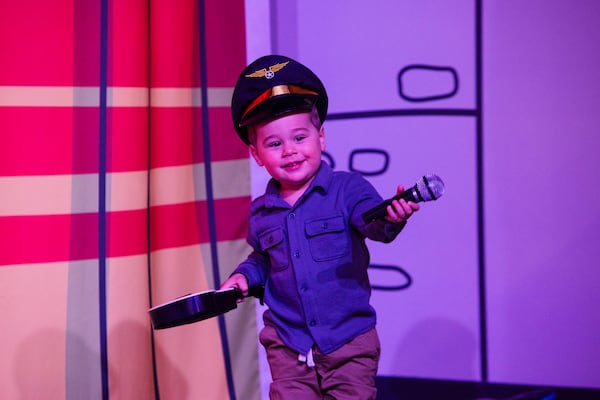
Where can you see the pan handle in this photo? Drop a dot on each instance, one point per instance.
(199, 306)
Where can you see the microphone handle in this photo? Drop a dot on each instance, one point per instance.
(380, 210)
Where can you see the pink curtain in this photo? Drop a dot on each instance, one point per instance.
(122, 186)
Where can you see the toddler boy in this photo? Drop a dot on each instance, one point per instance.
(308, 239)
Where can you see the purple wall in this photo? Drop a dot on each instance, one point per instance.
(542, 135)
(532, 141)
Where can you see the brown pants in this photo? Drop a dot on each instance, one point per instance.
(346, 373)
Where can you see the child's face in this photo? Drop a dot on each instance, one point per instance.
(290, 149)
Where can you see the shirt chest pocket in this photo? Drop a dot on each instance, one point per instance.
(327, 238)
(272, 242)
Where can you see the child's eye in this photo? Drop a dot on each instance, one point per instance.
(274, 143)
(300, 138)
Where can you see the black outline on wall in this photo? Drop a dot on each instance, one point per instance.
(478, 115)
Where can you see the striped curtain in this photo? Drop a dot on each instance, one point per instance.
(122, 186)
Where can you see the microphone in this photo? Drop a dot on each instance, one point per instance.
(429, 187)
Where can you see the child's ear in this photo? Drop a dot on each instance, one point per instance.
(322, 137)
(255, 155)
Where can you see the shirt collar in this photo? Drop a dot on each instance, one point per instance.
(321, 182)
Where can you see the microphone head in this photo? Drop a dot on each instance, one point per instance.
(430, 187)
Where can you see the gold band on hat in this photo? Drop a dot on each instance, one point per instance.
(274, 92)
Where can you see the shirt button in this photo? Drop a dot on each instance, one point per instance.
(304, 288)
(297, 254)
(292, 215)
(312, 322)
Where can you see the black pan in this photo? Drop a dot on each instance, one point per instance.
(197, 307)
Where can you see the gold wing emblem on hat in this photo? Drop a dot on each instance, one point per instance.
(267, 72)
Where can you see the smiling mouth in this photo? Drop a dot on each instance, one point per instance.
(292, 164)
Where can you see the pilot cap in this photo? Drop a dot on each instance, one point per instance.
(273, 86)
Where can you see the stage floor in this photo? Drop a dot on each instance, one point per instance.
(393, 388)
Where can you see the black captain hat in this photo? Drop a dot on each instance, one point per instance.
(272, 86)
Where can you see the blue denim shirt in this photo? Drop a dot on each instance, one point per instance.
(312, 259)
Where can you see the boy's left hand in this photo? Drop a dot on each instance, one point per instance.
(401, 210)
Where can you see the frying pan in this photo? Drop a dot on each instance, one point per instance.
(198, 307)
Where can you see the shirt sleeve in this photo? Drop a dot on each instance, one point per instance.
(363, 196)
(254, 268)
(381, 230)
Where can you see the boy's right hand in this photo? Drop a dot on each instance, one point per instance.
(401, 210)
(238, 281)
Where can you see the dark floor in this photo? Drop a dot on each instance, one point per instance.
(393, 388)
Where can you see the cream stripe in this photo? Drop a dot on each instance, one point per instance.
(74, 96)
(48, 96)
(34, 330)
(179, 97)
(127, 191)
(176, 184)
(127, 97)
(55, 194)
(175, 259)
(229, 253)
(47, 194)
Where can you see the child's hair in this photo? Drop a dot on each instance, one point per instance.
(314, 119)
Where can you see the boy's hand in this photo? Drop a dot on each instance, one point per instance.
(237, 281)
(401, 210)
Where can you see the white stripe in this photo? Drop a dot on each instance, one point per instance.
(178, 97)
(48, 194)
(65, 194)
(171, 185)
(117, 96)
(127, 97)
(48, 96)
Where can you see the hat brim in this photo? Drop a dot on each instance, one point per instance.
(278, 106)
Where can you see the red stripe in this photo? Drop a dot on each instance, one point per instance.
(85, 139)
(174, 225)
(48, 238)
(37, 43)
(185, 224)
(127, 233)
(173, 40)
(178, 66)
(173, 140)
(128, 139)
(172, 136)
(48, 140)
(177, 139)
(224, 141)
(85, 37)
(231, 216)
(128, 44)
(227, 55)
(63, 140)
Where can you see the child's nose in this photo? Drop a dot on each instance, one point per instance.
(289, 148)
